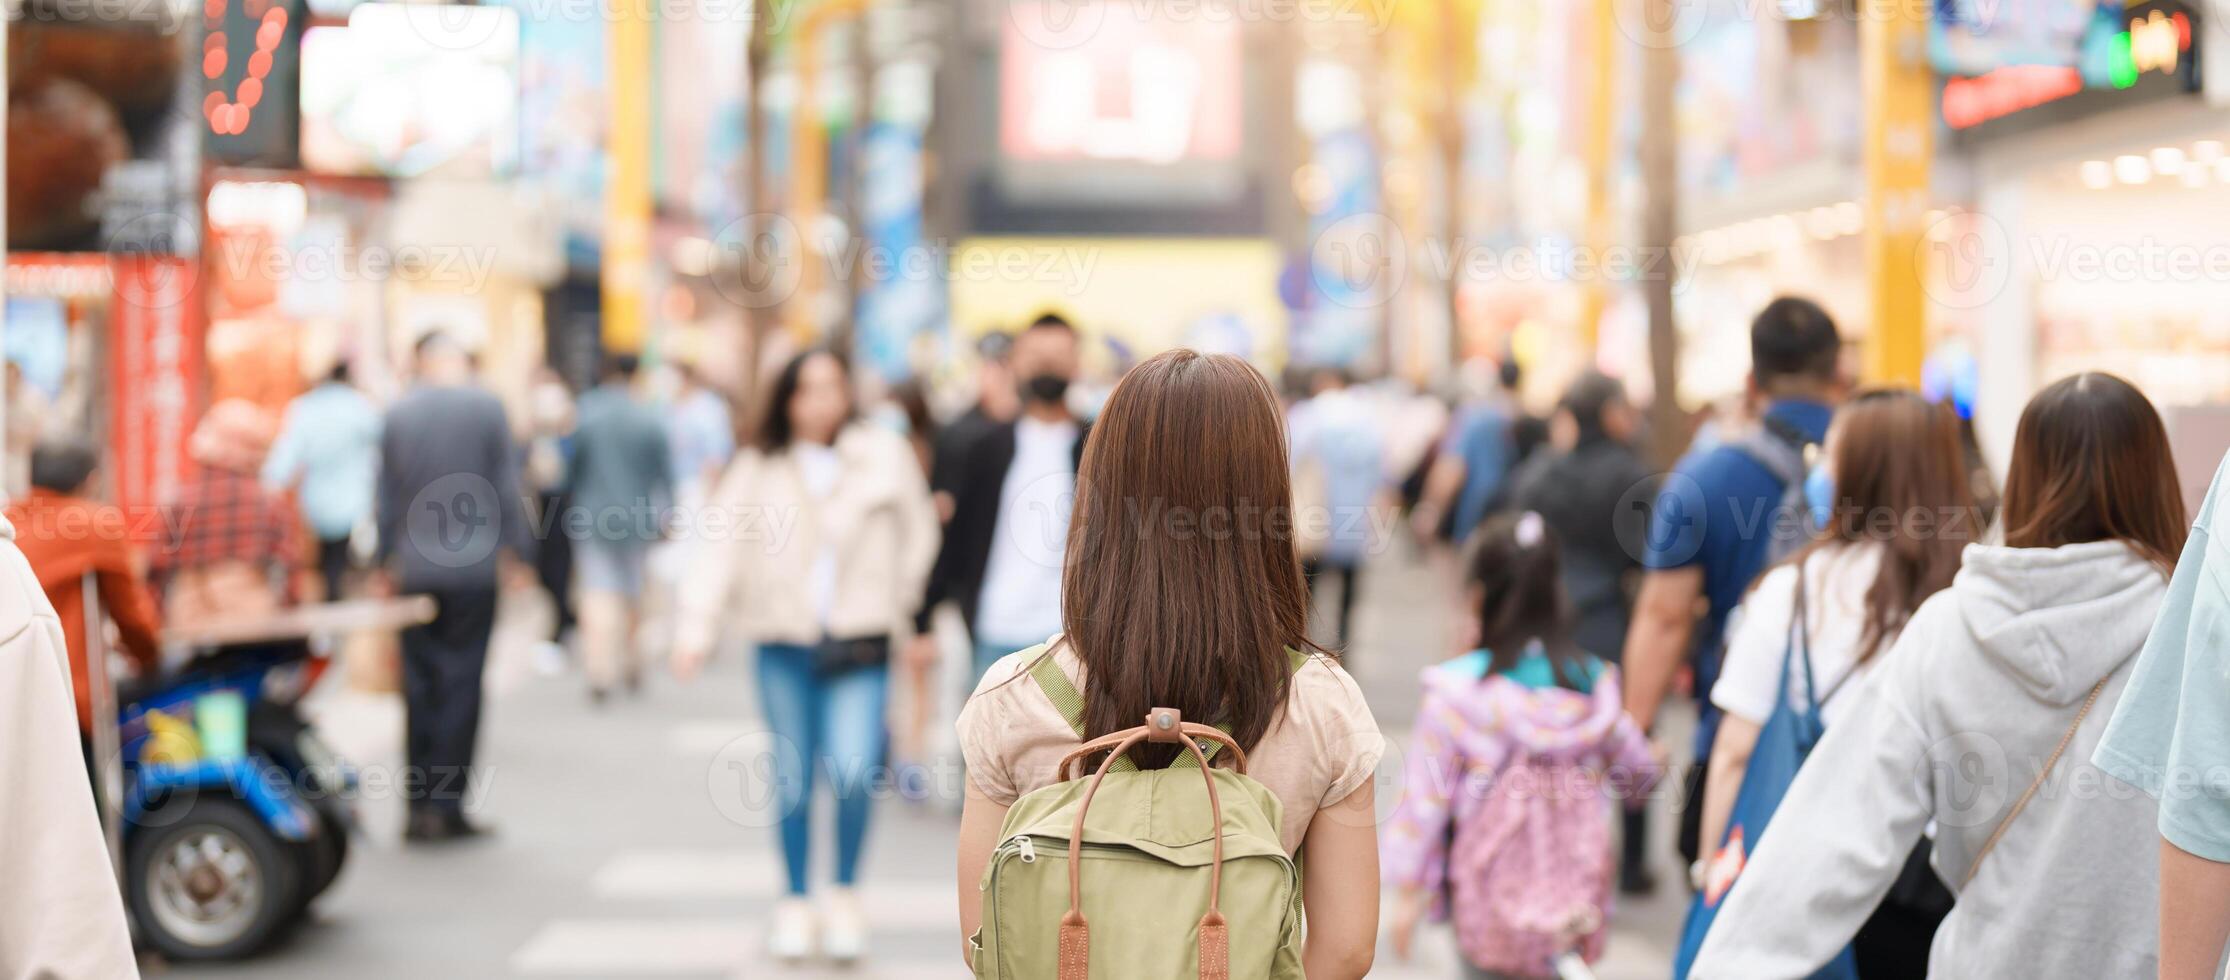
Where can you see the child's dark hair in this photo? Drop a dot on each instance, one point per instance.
(1516, 567)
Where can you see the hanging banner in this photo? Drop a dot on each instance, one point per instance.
(905, 297)
(155, 368)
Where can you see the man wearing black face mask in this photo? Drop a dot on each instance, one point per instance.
(1012, 490)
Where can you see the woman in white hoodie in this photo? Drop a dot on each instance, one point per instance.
(1981, 721)
(824, 537)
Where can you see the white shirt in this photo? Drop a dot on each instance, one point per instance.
(1021, 600)
(818, 467)
(1836, 580)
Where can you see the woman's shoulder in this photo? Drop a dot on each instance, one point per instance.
(1007, 695)
(1006, 678)
(1325, 697)
(1321, 674)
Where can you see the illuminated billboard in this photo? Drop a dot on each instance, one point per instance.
(410, 90)
(1102, 100)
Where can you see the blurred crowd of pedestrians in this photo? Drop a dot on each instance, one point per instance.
(1831, 575)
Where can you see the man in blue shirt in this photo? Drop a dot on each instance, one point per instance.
(328, 454)
(1485, 443)
(1715, 519)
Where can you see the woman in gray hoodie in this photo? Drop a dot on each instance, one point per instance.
(1980, 722)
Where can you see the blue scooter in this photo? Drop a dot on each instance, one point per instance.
(223, 849)
(234, 814)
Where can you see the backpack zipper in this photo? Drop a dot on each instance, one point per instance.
(1025, 846)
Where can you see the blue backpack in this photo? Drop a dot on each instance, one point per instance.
(1787, 738)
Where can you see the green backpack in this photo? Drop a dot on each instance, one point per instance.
(1170, 873)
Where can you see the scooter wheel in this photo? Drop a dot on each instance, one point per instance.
(206, 880)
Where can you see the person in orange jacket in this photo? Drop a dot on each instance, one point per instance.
(66, 535)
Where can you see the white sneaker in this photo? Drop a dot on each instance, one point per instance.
(843, 926)
(791, 937)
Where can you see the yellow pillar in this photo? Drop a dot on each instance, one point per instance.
(627, 195)
(1899, 132)
(1602, 113)
(809, 159)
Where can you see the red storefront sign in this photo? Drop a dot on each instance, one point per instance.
(155, 367)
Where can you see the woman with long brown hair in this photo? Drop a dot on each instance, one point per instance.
(1981, 719)
(1893, 512)
(1181, 589)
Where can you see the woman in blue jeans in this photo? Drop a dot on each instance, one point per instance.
(817, 544)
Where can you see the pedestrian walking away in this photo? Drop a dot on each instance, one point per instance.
(1339, 475)
(621, 490)
(449, 514)
(2026, 653)
(327, 454)
(1583, 486)
(1523, 873)
(1489, 437)
(1207, 625)
(1891, 454)
(1721, 518)
(822, 601)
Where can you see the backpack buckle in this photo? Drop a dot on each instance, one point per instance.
(1165, 725)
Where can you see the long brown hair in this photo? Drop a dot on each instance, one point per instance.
(1899, 456)
(2091, 463)
(1181, 587)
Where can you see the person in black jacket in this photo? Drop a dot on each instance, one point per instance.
(1011, 486)
(1581, 488)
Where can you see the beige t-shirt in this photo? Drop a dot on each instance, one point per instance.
(1322, 748)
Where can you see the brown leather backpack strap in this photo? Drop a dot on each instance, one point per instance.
(1215, 935)
(1166, 725)
(1074, 957)
(1075, 950)
(1103, 743)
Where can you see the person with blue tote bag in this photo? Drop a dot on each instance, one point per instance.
(1812, 628)
(1787, 738)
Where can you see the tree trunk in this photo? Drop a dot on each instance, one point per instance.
(1668, 424)
(758, 315)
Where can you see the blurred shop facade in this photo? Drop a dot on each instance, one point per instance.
(225, 200)
(268, 189)
(2076, 173)
(222, 200)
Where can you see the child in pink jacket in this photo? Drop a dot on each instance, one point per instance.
(1521, 748)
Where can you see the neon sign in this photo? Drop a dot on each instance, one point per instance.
(229, 117)
(2005, 91)
(2155, 42)
(250, 58)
